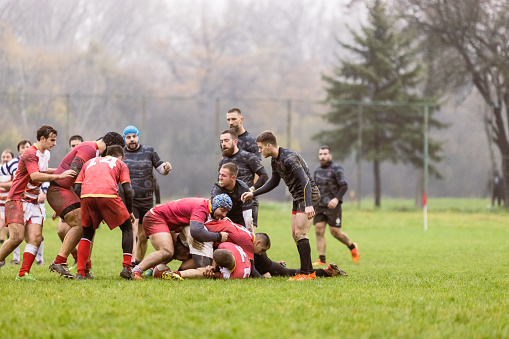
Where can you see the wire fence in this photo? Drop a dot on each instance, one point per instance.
(185, 131)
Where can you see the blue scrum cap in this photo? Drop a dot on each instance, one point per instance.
(222, 200)
(129, 130)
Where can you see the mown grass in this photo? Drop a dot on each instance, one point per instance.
(449, 282)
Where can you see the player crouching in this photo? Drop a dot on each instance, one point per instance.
(97, 186)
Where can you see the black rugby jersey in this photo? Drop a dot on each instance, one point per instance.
(235, 214)
(331, 182)
(140, 164)
(248, 165)
(248, 143)
(287, 166)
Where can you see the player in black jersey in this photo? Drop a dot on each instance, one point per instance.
(248, 165)
(291, 167)
(141, 159)
(241, 213)
(246, 141)
(330, 179)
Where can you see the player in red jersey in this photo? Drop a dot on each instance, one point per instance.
(230, 262)
(173, 216)
(23, 214)
(97, 186)
(66, 203)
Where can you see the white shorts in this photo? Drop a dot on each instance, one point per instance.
(34, 214)
(2, 212)
(205, 249)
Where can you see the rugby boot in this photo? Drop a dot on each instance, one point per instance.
(282, 263)
(137, 275)
(319, 263)
(299, 277)
(79, 277)
(333, 270)
(89, 275)
(61, 269)
(126, 273)
(168, 275)
(26, 277)
(355, 253)
(15, 261)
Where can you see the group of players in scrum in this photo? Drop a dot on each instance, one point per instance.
(214, 238)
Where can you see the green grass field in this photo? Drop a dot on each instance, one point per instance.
(449, 282)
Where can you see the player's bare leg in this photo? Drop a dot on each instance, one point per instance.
(141, 244)
(300, 232)
(135, 237)
(33, 238)
(343, 237)
(62, 230)
(71, 240)
(16, 235)
(163, 245)
(320, 241)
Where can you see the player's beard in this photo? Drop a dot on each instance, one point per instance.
(228, 151)
(324, 163)
(132, 146)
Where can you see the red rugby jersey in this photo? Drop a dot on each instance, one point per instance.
(237, 234)
(99, 177)
(81, 153)
(178, 213)
(242, 268)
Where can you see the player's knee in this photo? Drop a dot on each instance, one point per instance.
(167, 253)
(73, 218)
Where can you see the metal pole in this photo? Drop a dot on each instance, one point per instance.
(359, 153)
(425, 188)
(143, 115)
(289, 124)
(218, 118)
(67, 115)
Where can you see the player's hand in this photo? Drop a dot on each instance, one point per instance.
(224, 236)
(167, 167)
(310, 212)
(227, 219)
(132, 218)
(333, 203)
(208, 272)
(54, 216)
(41, 197)
(246, 196)
(67, 174)
(252, 189)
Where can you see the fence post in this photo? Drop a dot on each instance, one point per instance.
(289, 123)
(359, 151)
(67, 115)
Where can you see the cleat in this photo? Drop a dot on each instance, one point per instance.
(79, 277)
(2, 263)
(319, 263)
(15, 261)
(333, 270)
(282, 263)
(61, 269)
(89, 275)
(136, 275)
(149, 273)
(299, 277)
(355, 253)
(171, 276)
(40, 262)
(26, 277)
(126, 273)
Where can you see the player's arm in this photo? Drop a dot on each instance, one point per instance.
(200, 233)
(42, 177)
(306, 185)
(342, 188)
(9, 168)
(262, 179)
(162, 167)
(157, 192)
(269, 186)
(128, 195)
(77, 164)
(6, 185)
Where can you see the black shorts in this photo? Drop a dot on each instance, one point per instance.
(300, 206)
(141, 207)
(255, 212)
(330, 216)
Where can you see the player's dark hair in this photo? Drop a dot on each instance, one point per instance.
(230, 166)
(325, 147)
(23, 142)
(267, 137)
(113, 138)
(8, 151)
(115, 151)
(45, 131)
(233, 134)
(264, 238)
(224, 258)
(75, 137)
(234, 110)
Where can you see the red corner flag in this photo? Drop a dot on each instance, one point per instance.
(424, 199)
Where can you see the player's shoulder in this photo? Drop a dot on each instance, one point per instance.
(242, 185)
(336, 166)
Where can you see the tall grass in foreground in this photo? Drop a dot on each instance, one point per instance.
(451, 281)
